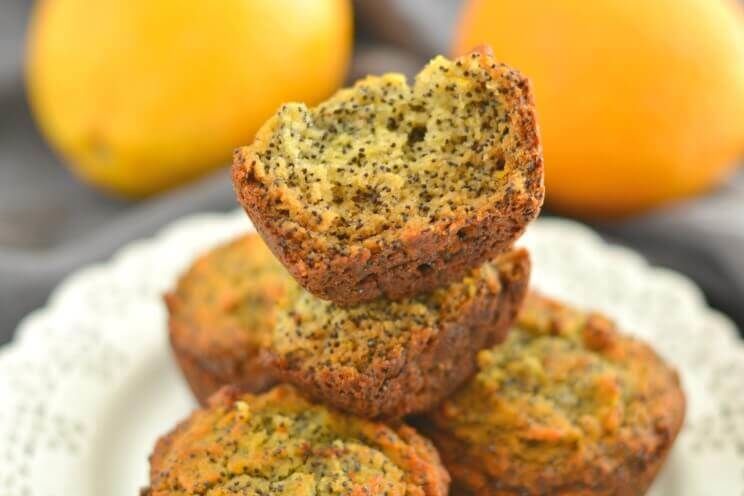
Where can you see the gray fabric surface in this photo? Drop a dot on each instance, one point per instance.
(50, 224)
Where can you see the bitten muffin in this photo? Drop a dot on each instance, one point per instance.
(566, 406)
(391, 190)
(221, 314)
(385, 359)
(279, 443)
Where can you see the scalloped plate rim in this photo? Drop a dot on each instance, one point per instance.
(732, 347)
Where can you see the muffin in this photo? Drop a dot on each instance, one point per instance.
(385, 359)
(390, 190)
(221, 313)
(567, 405)
(279, 443)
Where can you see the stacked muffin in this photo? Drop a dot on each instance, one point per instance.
(393, 210)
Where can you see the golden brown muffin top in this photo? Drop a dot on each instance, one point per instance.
(565, 388)
(227, 298)
(383, 156)
(320, 334)
(279, 443)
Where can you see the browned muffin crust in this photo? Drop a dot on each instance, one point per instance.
(566, 406)
(443, 198)
(386, 359)
(221, 313)
(279, 443)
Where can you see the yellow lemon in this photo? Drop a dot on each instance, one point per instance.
(139, 95)
(640, 102)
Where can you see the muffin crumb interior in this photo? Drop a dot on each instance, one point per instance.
(382, 154)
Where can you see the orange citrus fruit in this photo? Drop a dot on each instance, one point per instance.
(140, 95)
(639, 102)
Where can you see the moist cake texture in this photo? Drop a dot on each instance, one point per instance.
(279, 443)
(385, 359)
(388, 189)
(567, 405)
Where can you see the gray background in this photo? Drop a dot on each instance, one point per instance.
(50, 224)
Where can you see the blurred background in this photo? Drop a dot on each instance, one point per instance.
(118, 116)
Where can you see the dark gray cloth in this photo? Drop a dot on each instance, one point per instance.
(702, 238)
(50, 224)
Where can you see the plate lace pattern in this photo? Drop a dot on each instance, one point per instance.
(103, 323)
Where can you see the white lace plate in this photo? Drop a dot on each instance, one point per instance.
(89, 384)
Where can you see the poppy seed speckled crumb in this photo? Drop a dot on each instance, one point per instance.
(279, 443)
(385, 359)
(390, 190)
(566, 406)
